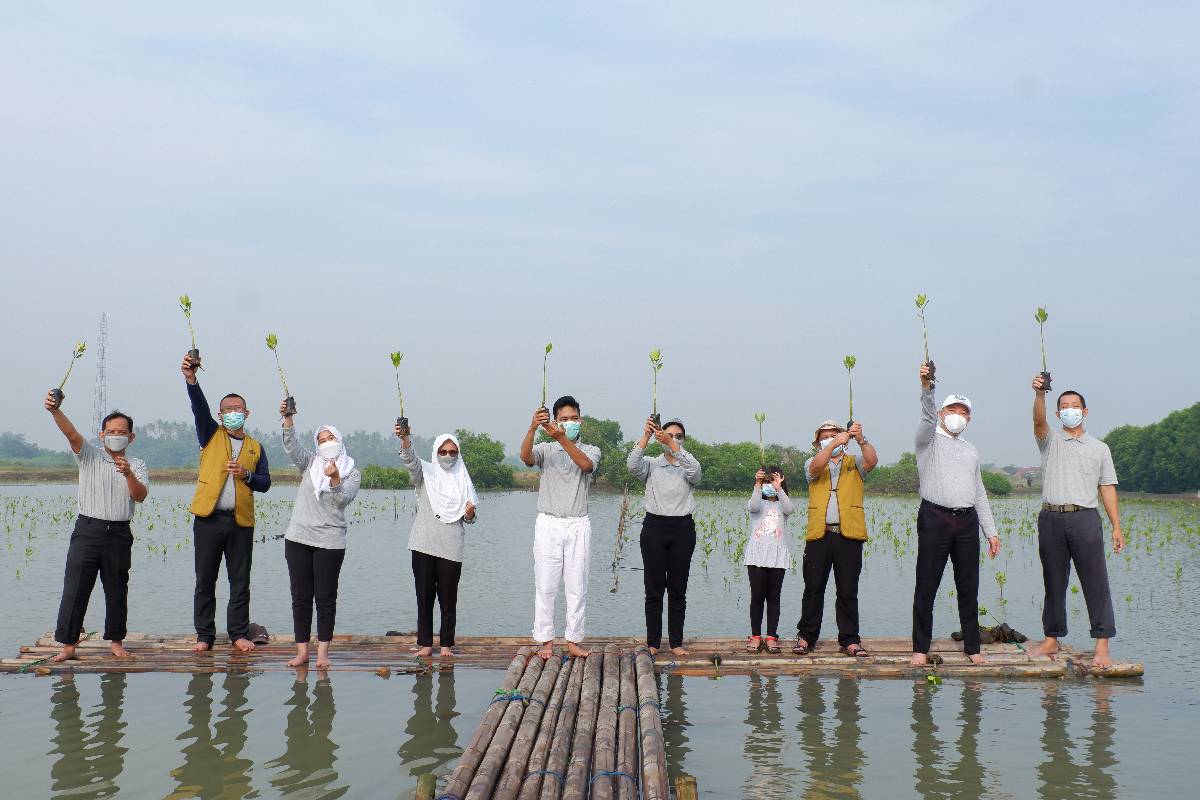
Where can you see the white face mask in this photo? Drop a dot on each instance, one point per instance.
(447, 462)
(1071, 417)
(116, 443)
(330, 450)
(955, 423)
(837, 451)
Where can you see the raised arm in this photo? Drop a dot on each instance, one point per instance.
(869, 457)
(637, 463)
(301, 457)
(411, 462)
(756, 500)
(1041, 428)
(540, 417)
(74, 437)
(927, 426)
(692, 471)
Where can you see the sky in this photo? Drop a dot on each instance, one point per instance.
(756, 190)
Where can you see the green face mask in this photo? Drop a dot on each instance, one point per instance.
(233, 420)
(572, 430)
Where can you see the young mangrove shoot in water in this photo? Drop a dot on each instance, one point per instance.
(272, 345)
(760, 418)
(1041, 316)
(80, 348)
(545, 362)
(401, 421)
(656, 363)
(848, 362)
(185, 304)
(922, 302)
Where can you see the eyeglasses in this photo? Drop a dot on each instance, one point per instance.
(447, 452)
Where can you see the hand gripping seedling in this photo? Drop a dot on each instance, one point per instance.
(401, 421)
(1041, 316)
(656, 363)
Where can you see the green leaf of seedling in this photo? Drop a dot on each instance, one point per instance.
(397, 357)
(549, 347)
(80, 348)
(1041, 316)
(849, 362)
(922, 301)
(185, 303)
(760, 418)
(272, 341)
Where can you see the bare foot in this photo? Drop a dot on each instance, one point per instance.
(323, 655)
(66, 654)
(243, 645)
(301, 659)
(576, 651)
(653, 650)
(1048, 648)
(1101, 659)
(118, 650)
(546, 651)
(919, 660)
(423, 652)
(201, 647)
(446, 652)
(679, 651)
(977, 658)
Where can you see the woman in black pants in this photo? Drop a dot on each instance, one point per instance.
(315, 542)
(668, 531)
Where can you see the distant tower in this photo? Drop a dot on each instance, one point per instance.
(100, 403)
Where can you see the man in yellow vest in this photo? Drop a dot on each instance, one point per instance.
(232, 467)
(837, 529)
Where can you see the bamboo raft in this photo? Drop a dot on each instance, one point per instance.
(384, 655)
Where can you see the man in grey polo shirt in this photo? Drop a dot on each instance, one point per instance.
(562, 534)
(109, 485)
(1074, 466)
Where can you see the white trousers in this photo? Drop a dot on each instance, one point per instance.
(562, 551)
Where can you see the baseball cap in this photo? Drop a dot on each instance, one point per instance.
(957, 399)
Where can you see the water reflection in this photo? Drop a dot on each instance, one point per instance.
(832, 745)
(770, 775)
(307, 765)
(212, 762)
(675, 723)
(934, 774)
(432, 742)
(1063, 773)
(89, 757)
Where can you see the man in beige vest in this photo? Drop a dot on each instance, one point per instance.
(837, 529)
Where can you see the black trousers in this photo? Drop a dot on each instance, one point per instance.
(941, 535)
(97, 547)
(667, 547)
(1076, 536)
(313, 573)
(766, 585)
(435, 578)
(844, 557)
(219, 536)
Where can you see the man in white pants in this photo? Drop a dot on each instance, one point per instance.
(562, 535)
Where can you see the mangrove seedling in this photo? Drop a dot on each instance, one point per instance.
(1041, 316)
(656, 363)
(545, 363)
(760, 418)
(289, 401)
(848, 362)
(922, 302)
(401, 421)
(185, 304)
(57, 393)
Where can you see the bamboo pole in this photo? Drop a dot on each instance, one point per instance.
(604, 758)
(506, 730)
(560, 745)
(426, 786)
(531, 786)
(460, 779)
(685, 788)
(627, 760)
(518, 754)
(654, 754)
(579, 770)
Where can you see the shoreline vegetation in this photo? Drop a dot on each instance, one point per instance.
(1157, 460)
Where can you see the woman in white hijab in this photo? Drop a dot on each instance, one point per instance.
(315, 543)
(446, 500)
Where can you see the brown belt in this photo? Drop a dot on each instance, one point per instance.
(1064, 509)
(836, 527)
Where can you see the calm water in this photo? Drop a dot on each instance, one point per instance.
(356, 735)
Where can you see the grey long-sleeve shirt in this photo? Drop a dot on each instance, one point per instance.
(668, 486)
(318, 521)
(429, 534)
(948, 468)
(563, 488)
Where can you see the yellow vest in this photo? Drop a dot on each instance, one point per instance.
(850, 502)
(213, 458)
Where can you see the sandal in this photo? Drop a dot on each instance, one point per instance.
(753, 644)
(773, 645)
(801, 647)
(855, 650)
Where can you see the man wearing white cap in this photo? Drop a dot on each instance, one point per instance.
(954, 508)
